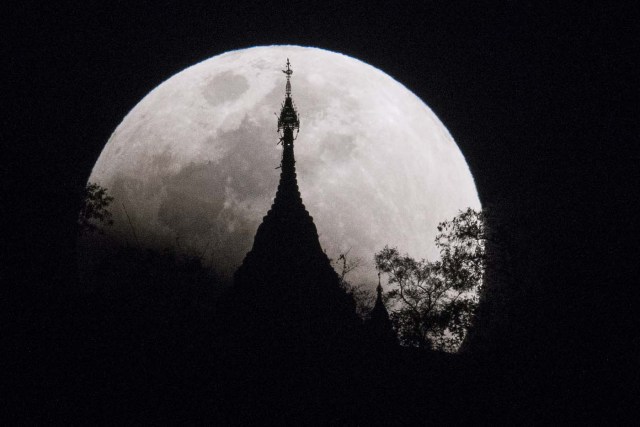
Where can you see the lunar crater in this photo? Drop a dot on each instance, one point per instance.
(225, 87)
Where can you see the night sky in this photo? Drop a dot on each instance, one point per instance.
(538, 97)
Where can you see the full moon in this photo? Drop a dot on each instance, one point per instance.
(193, 165)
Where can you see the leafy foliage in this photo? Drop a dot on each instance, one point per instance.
(94, 210)
(433, 302)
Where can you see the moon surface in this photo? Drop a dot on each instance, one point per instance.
(193, 164)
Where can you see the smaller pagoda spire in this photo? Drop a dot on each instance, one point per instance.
(379, 310)
(379, 289)
(379, 325)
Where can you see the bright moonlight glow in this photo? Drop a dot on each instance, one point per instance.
(194, 162)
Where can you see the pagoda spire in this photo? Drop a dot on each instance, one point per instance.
(287, 234)
(286, 294)
(379, 324)
(379, 290)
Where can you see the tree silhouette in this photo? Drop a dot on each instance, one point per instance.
(362, 296)
(94, 212)
(433, 302)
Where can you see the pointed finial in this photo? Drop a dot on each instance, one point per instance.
(379, 288)
(288, 72)
(288, 119)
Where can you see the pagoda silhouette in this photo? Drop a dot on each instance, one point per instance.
(286, 294)
(378, 326)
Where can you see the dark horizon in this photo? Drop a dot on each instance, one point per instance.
(538, 99)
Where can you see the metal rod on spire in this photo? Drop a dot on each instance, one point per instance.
(288, 72)
(288, 119)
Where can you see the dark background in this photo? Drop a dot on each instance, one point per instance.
(539, 97)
